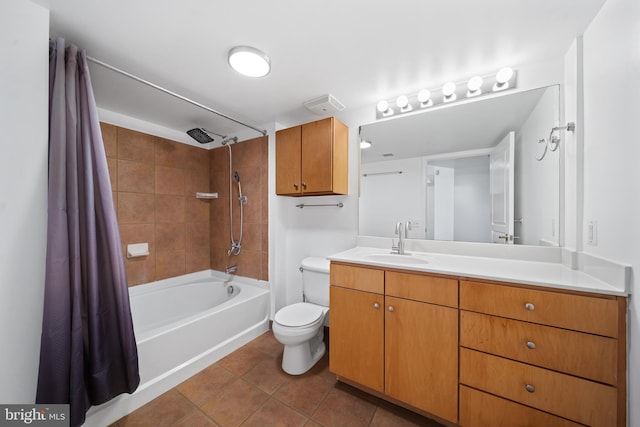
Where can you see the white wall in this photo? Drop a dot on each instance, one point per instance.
(383, 193)
(542, 194)
(24, 35)
(612, 153)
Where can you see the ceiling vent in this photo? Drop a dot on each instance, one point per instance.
(325, 104)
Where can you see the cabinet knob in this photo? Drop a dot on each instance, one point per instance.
(530, 388)
(295, 186)
(391, 308)
(376, 305)
(304, 185)
(531, 345)
(529, 306)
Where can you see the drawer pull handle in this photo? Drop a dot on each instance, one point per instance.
(531, 345)
(530, 388)
(529, 306)
(391, 308)
(376, 305)
(295, 186)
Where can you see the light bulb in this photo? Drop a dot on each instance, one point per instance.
(382, 106)
(449, 89)
(504, 75)
(474, 84)
(424, 95)
(402, 101)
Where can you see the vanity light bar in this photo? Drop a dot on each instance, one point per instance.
(476, 86)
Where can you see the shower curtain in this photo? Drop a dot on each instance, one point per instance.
(88, 352)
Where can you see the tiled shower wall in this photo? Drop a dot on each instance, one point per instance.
(250, 160)
(154, 181)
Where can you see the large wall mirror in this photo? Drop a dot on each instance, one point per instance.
(478, 171)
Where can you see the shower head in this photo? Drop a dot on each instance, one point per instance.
(200, 135)
(236, 176)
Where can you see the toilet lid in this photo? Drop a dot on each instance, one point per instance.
(300, 314)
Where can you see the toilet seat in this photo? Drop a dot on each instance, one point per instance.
(299, 315)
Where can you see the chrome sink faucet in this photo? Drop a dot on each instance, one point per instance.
(400, 248)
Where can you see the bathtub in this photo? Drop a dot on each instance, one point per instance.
(183, 325)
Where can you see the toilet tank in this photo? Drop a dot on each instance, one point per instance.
(315, 280)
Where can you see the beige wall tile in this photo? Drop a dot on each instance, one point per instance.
(136, 208)
(169, 208)
(170, 264)
(112, 164)
(170, 180)
(170, 236)
(171, 153)
(110, 139)
(136, 146)
(135, 177)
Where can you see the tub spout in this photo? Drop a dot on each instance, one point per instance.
(232, 269)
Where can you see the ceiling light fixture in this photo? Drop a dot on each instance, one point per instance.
(364, 144)
(249, 61)
(449, 92)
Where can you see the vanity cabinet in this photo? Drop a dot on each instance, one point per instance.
(312, 159)
(531, 357)
(396, 334)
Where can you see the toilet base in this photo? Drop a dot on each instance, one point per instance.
(299, 358)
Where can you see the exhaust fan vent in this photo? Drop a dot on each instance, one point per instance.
(326, 104)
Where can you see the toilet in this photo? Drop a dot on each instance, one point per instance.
(300, 326)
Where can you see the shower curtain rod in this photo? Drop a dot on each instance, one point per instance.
(176, 95)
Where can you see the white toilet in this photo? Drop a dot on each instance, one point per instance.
(300, 326)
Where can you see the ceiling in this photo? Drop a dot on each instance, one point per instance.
(358, 50)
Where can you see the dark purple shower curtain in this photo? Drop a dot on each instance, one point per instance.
(88, 351)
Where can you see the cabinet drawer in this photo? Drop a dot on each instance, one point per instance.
(576, 353)
(577, 312)
(478, 409)
(569, 397)
(360, 278)
(435, 290)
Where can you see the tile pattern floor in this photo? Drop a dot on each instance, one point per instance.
(248, 388)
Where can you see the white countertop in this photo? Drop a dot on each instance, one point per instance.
(547, 274)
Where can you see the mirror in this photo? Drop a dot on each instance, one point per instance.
(466, 172)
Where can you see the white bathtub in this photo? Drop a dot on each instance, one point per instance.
(183, 325)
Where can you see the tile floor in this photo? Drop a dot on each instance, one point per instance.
(249, 388)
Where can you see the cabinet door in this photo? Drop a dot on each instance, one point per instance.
(317, 156)
(356, 340)
(288, 161)
(421, 356)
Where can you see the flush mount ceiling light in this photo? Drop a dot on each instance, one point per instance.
(249, 61)
(450, 92)
(364, 144)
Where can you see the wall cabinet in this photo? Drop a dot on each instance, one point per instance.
(390, 334)
(312, 159)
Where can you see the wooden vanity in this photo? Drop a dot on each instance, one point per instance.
(479, 353)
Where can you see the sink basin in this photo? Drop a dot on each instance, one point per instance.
(407, 259)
